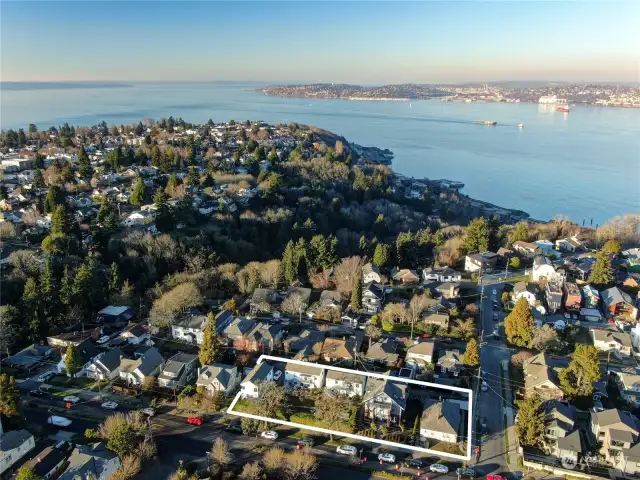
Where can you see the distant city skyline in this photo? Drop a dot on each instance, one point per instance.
(369, 43)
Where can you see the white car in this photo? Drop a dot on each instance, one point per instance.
(484, 386)
(149, 412)
(71, 399)
(277, 375)
(346, 450)
(439, 468)
(46, 376)
(567, 315)
(387, 458)
(269, 435)
(109, 405)
(495, 292)
(103, 339)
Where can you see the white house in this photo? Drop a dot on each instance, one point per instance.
(189, 329)
(440, 421)
(527, 290)
(545, 247)
(303, 376)
(629, 387)
(611, 340)
(136, 334)
(542, 268)
(372, 298)
(371, 273)
(568, 244)
(349, 384)
(179, 370)
(91, 461)
(440, 274)
(87, 351)
(105, 366)
(138, 218)
(134, 372)
(260, 373)
(218, 377)
(420, 354)
(13, 446)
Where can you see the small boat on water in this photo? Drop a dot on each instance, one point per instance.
(486, 122)
(521, 125)
(563, 109)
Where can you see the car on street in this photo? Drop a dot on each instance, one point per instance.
(71, 399)
(277, 375)
(346, 450)
(496, 334)
(305, 442)
(466, 472)
(439, 468)
(102, 339)
(415, 463)
(46, 376)
(484, 386)
(109, 405)
(38, 394)
(195, 420)
(445, 340)
(495, 292)
(495, 317)
(148, 411)
(491, 476)
(426, 335)
(495, 307)
(567, 315)
(234, 427)
(387, 458)
(269, 435)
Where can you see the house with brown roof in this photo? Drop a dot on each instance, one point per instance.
(542, 377)
(405, 276)
(337, 349)
(526, 249)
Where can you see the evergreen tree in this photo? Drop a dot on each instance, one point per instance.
(38, 179)
(72, 360)
(32, 310)
(356, 293)
(89, 287)
(164, 218)
(363, 245)
(55, 196)
(300, 255)
(66, 288)
(317, 254)
(273, 156)
(172, 184)
(48, 289)
(61, 223)
(139, 190)
(208, 349)
(519, 324)
(531, 421)
(9, 398)
(476, 236)
(114, 159)
(288, 265)
(613, 247)
(406, 250)
(108, 215)
(114, 280)
(471, 355)
(84, 165)
(520, 233)
(332, 257)
(602, 275)
(577, 379)
(381, 255)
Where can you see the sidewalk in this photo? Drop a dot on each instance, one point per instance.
(511, 445)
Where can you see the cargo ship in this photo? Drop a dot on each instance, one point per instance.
(486, 122)
(563, 109)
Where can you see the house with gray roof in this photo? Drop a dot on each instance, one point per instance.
(384, 353)
(541, 376)
(250, 386)
(629, 387)
(91, 461)
(218, 377)
(134, 371)
(441, 421)
(385, 401)
(237, 329)
(179, 370)
(303, 376)
(189, 328)
(30, 357)
(343, 383)
(450, 363)
(618, 303)
(611, 340)
(562, 434)
(616, 432)
(371, 273)
(13, 446)
(420, 354)
(105, 366)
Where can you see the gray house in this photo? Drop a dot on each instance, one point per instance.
(440, 421)
(385, 401)
(179, 370)
(562, 434)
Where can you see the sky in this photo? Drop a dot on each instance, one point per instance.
(349, 42)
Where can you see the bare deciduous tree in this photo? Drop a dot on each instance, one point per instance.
(294, 304)
(130, 466)
(415, 308)
(394, 313)
(251, 471)
(175, 301)
(273, 460)
(333, 411)
(345, 274)
(220, 452)
(321, 280)
(372, 332)
(300, 465)
(270, 273)
(544, 338)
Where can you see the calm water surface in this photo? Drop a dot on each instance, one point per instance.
(585, 164)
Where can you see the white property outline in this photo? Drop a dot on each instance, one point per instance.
(360, 437)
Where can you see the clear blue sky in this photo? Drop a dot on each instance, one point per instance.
(357, 42)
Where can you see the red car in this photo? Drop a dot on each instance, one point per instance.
(426, 335)
(195, 420)
(495, 477)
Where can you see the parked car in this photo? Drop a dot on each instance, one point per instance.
(496, 334)
(305, 442)
(71, 399)
(415, 463)
(387, 458)
(346, 450)
(495, 317)
(445, 340)
(234, 427)
(484, 386)
(277, 375)
(195, 420)
(426, 335)
(46, 376)
(102, 339)
(109, 405)
(494, 292)
(491, 476)
(38, 394)
(269, 435)
(149, 412)
(439, 468)
(466, 472)
(496, 306)
(567, 315)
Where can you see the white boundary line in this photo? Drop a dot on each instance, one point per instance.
(360, 437)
